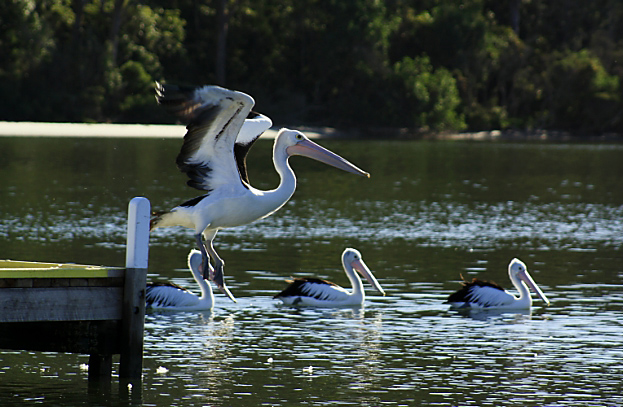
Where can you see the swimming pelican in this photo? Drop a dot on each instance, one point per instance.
(171, 296)
(321, 293)
(221, 130)
(486, 294)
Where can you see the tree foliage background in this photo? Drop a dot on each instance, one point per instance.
(437, 65)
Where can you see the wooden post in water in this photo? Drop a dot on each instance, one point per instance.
(133, 320)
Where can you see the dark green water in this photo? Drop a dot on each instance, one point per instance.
(430, 211)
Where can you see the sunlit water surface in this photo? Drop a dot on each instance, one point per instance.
(429, 213)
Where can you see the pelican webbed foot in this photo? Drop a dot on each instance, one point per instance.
(219, 279)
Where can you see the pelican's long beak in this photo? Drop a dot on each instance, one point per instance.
(308, 148)
(362, 269)
(527, 278)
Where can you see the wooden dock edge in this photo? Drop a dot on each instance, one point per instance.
(99, 331)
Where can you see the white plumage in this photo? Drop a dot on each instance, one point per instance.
(169, 296)
(486, 294)
(308, 291)
(221, 130)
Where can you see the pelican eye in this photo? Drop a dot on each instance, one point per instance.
(299, 137)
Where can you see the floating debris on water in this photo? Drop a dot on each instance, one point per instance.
(162, 370)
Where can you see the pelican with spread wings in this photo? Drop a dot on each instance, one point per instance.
(221, 130)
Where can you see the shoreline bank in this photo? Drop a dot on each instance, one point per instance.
(108, 130)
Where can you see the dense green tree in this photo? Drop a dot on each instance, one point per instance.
(580, 93)
(433, 95)
(422, 64)
(83, 60)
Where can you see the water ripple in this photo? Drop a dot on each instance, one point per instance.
(570, 226)
(365, 356)
(451, 224)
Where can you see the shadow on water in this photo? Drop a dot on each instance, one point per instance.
(429, 213)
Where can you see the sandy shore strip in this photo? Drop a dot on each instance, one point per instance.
(39, 129)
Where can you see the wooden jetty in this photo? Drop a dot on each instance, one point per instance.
(95, 310)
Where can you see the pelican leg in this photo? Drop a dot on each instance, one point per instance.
(218, 277)
(205, 259)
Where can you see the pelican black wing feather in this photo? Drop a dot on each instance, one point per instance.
(242, 147)
(193, 201)
(178, 100)
(153, 297)
(465, 293)
(199, 124)
(297, 287)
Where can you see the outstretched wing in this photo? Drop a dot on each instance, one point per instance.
(215, 118)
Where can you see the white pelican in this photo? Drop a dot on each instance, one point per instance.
(221, 130)
(169, 296)
(321, 293)
(487, 294)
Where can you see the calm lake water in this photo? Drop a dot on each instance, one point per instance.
(430, 212)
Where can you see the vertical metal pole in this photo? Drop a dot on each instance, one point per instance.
(133, 322)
